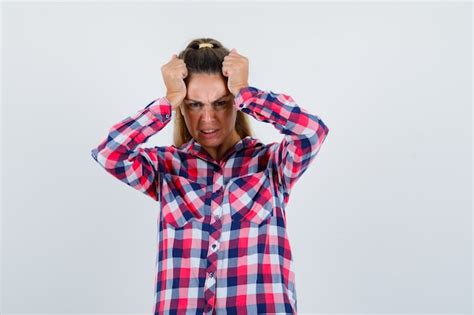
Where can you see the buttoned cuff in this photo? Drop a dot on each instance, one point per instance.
(244, 94)
(161, 107)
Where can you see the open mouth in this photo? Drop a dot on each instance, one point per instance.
(209, 131)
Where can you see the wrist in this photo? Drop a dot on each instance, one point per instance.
(175, 102)
(237, 90)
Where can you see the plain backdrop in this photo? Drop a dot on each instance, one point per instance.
(381, 222)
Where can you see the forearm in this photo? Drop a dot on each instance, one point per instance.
(303, 132)
(120, 155)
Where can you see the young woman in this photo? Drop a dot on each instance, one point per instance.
(223, 245)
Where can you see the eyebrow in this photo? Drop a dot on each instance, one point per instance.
(220, 98)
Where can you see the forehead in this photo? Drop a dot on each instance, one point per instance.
(206, 87)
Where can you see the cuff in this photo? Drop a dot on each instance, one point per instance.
(244, 94)
(161, 107)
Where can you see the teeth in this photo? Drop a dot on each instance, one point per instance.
(209, 131)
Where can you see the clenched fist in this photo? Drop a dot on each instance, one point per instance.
(236, 68)
(173, 74)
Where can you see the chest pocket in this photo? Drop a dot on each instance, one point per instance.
(182, 200)
(251, 198)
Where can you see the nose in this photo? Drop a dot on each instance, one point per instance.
(208, 113)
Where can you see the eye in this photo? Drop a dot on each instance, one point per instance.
(194, 105)
(222, 103)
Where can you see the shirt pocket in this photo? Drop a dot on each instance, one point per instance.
(250, 197)
(182, 200)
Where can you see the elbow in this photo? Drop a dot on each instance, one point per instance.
(94, 153)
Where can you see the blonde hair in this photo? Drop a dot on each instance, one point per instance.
(205, 60)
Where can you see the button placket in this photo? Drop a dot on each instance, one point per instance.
(211, 280)
(212, 257)
(217, 211)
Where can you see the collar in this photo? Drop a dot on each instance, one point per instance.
(195, 148)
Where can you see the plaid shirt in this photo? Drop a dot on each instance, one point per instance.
(223, 246)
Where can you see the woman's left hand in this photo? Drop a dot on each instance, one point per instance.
(236, 68)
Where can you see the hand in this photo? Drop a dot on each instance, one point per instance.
(173, 74)
(236, 68)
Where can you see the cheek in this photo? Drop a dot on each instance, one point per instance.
(190, 120)
(233, 118)
(231, 114)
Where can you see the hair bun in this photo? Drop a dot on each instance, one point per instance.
(202, 45)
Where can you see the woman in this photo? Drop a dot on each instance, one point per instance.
(223, 245)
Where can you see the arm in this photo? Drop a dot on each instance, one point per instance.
(304, 133)
(120, 155)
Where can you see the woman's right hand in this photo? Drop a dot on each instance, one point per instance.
(173, 74)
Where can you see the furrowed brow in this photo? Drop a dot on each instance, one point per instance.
(220, 98)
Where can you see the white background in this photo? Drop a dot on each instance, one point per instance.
(380, 222)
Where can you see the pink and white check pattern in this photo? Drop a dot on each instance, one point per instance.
(223, 246)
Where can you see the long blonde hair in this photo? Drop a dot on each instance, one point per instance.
(205, 61)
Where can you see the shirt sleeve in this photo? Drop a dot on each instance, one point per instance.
(120, 155)
(304, 133)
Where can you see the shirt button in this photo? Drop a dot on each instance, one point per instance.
(214, 246)
(211, 274)
(167, 116)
